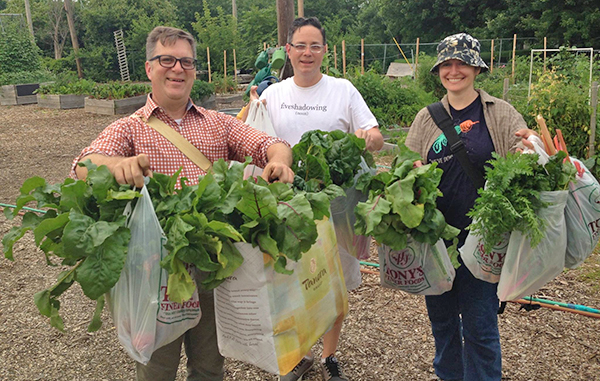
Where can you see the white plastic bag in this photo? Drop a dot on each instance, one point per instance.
(144, 318)
(258, 118)
(272, 320)
(342, 214)
(420, 268)
(484, 266)
(582, 216)
(528, 269)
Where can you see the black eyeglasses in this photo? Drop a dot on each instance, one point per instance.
(315, 48)
(166, 61)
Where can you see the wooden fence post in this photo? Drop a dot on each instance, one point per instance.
(335, 57)
(544, 54)
(417, 58)
(234, 67)
(344, 56)
(593, 118)
(362, 56)
(514, 57)
(225, 64)
(208, 59)
(492, 57)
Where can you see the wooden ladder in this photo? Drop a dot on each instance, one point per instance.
(122, 55)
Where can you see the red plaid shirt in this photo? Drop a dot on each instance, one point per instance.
(216, 135)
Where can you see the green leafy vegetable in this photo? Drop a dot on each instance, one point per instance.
(402, 202)
(511, 198)
(324, 158)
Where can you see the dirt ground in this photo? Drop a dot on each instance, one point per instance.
(386, 336)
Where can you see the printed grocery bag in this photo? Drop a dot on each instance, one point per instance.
(420, 268)
(144, 318)
(272, 320)
(528, 269)
(582, 217)
(342, 214)
(258, 118)
(484, 266)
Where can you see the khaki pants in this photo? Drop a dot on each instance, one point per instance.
(205, 363)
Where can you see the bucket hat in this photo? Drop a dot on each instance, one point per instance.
(461, 46)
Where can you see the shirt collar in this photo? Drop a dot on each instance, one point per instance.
(151, 106)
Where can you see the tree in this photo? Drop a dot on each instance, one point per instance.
(219, 33)
(256, 27)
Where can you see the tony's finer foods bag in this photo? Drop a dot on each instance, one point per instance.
(420, 268)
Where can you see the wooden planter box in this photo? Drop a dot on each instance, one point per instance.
(115, 106)
(12, 95)
(61, 101)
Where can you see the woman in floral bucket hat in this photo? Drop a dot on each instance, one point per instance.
(464, 320)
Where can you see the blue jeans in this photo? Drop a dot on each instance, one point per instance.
(468, 348)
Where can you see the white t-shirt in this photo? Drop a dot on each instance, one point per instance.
(331, 104)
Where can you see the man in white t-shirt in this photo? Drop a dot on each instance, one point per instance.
(312, 101)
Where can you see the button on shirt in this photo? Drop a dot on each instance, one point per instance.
(216, 135)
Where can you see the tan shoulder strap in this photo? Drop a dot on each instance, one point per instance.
(187, 148)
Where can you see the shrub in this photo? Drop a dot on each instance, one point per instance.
(201, 89)
(224, 85)
(18, 53)
(393, 102)
(24, 77)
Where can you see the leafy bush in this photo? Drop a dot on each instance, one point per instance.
(224, 85)
(24, 77)
(119, 90)
(427, 81)
(201, 89)
(67, 86)
(393, 102)
(18, 53)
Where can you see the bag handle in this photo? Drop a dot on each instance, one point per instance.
(187, 148)
(457, 147)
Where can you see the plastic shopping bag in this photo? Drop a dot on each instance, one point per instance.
(484, 266)
(144, 318)
(342, 214)
(582, 216)
(527, 269)
(272, 320)
(420, 268)
(258, 118)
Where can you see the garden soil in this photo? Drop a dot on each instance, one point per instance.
(386, 336)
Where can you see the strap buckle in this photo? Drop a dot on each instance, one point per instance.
(457, 146)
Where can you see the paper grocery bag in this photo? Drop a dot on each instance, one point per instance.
(272, 320)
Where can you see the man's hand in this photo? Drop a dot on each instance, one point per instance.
(131, 170)
(373, 138)
(277, 171)
(127, 170)
(278, 167)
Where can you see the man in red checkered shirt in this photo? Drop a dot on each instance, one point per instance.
(131, 150)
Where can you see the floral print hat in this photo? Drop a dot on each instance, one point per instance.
(461, 46)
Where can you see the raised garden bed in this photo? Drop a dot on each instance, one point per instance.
(12, 95)
(115, 106)
(207, 102)
(61, 101)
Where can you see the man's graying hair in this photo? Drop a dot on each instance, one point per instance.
(304, 21)
(167, 36)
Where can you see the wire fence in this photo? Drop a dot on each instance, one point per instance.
(381, 55)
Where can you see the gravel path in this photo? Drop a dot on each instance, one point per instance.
(386, 336)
